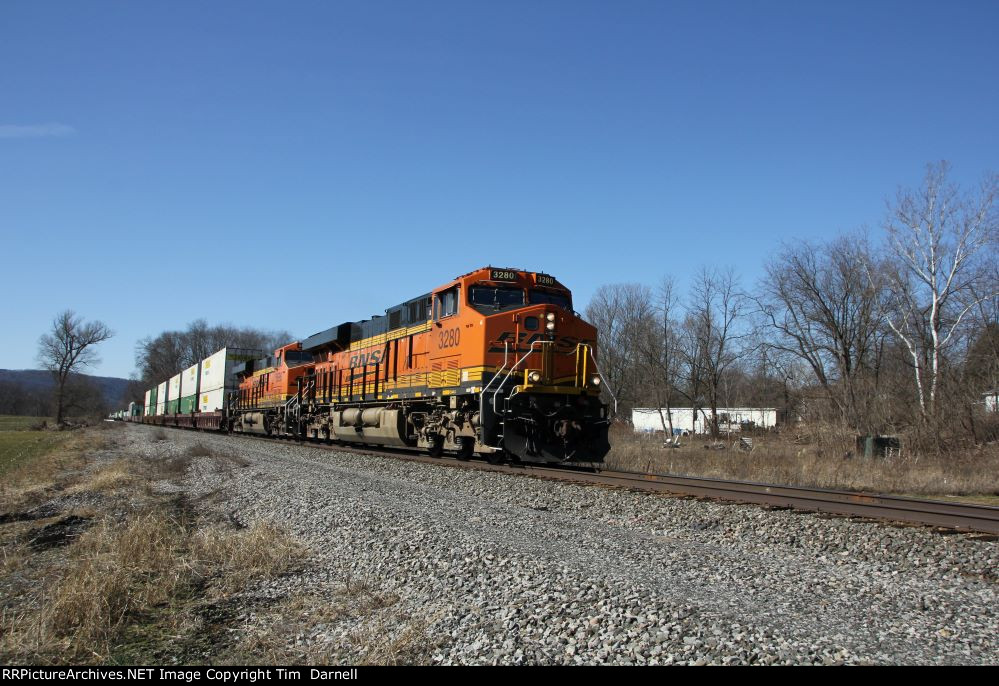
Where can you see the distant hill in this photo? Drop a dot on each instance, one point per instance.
(111, 387)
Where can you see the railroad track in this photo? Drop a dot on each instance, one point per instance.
(935, 513)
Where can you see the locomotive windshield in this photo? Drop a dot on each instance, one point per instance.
(537, 297)
(490, 299)
(293, 358)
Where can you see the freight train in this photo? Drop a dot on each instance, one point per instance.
(495, 363)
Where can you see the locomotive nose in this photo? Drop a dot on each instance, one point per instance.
(538, 430)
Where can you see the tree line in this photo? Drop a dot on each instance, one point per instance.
(69, 348)
(894, 335)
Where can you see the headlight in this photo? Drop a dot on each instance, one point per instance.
(550, 316)
(534, 377)
(550, 326)
(595, 380)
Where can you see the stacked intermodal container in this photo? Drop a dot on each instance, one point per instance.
(218, 378)
(173, 395)
(150, 406)
(190, 383)
(161, 398)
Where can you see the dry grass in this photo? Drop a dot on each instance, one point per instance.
(123, 573)
(112, 477)
(114, 573)
(236, 558)
(120, 579)
(823, 458)
(136, 575)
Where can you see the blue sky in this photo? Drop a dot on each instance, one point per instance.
(292, 165)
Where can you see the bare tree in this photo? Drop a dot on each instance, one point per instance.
(658, 344)
(821, 306)
(618, 311)
(67, 349)
(939, 241)
(714, 338)
(158, 358)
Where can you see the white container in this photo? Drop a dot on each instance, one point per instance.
(189, 380)
(212, 401)
(217, 377)
(161, 393)
(147, 409)
(173, 395)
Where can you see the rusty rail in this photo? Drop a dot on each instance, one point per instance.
(959, 516)
(936, 513)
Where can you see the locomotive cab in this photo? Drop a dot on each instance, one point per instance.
(535, 389)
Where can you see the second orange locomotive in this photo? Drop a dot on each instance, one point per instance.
(495, 362)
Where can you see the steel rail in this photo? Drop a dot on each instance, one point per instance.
(955, 516)
(959, 516)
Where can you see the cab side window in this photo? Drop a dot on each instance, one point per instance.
(446, 303)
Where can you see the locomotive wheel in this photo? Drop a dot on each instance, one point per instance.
(497, 457)
(467, 449)
(436, 448)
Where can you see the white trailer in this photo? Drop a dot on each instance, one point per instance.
(686, 420)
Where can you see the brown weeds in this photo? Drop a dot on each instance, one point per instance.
(810, 457)
(134, 561)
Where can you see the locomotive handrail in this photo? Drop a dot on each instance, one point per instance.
(506, 355)
(295, 400)
(482, 393)
(512, 370)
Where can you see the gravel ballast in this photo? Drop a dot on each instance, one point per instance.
(485, 568)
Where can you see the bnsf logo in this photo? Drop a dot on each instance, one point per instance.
(361, 359)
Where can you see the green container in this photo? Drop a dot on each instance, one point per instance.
(188, 404)
(172, 406)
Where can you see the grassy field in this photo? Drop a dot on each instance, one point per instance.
(814, 461)
(20, 445)
(13, 423)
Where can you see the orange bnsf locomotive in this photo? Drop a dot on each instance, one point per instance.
(494, 363)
